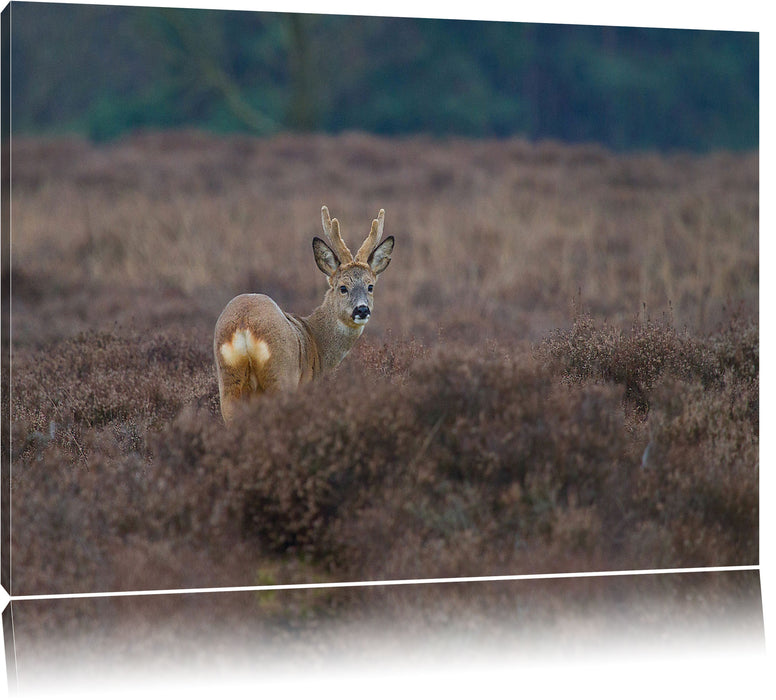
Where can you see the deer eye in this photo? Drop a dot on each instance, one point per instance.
(343, 289)
(370, 288)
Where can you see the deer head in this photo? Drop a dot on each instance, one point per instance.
(351, 279)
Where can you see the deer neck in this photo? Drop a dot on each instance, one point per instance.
(333, 338)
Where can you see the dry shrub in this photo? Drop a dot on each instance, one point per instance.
(126, 381)
(701, 473)
(699, 398)
(651, 350)
(406, 462)
(610, 446)
(471, 454)
(493, 237)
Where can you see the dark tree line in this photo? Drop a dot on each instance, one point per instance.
(101, 71)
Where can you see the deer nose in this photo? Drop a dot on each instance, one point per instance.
(361, 312)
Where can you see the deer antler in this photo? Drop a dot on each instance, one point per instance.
(332, 231)
(372, 239)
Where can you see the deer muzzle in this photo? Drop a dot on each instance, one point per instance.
(361, 314)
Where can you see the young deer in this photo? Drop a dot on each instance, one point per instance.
(260, 348)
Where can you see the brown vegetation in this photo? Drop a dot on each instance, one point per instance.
(484, 425)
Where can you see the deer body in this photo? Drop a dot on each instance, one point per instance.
(259, 348)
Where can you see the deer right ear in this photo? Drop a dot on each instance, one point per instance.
(325, 258)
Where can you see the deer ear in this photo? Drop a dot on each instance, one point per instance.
(381, 256)
(325, 258)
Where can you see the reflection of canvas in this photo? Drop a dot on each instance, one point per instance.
(676, 625)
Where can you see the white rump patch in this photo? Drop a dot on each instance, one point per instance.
(242, 346)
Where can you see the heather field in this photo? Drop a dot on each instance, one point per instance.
(561, 374)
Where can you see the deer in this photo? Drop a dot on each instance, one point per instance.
(260, 349)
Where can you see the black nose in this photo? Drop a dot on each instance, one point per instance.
(361, 311)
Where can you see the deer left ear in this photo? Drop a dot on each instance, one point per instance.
(381, 256)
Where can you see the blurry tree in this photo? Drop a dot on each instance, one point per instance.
(103, 70)
(302, 110)
(202, 65)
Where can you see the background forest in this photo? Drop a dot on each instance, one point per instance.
(112, 69)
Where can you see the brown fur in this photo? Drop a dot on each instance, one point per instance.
(259, 348)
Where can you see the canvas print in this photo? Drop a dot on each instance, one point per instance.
(316, 299)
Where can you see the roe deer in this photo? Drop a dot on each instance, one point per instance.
(259, 348)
